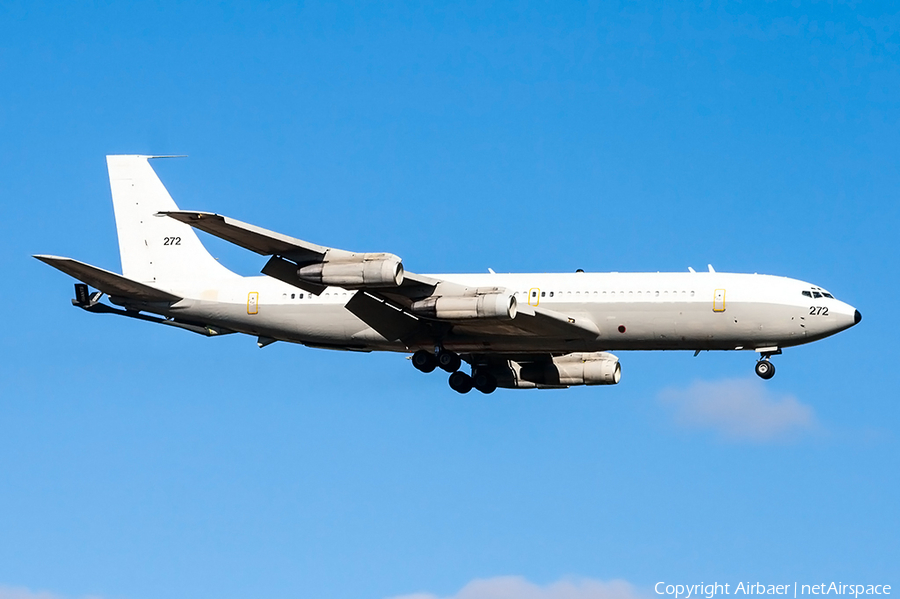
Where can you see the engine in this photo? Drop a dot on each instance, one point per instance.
(597, 368)
(482, 305)
(355, 270)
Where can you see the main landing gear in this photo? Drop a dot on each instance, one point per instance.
(764, 368)
(449, 361)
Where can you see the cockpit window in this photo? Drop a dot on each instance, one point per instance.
(817, 292)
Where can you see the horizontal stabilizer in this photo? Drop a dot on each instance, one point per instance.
(108, 282)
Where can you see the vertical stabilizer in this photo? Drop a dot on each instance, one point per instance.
(155, 250)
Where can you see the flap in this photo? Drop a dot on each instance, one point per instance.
(535, 321)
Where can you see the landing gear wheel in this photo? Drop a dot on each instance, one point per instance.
(460, 382)
(765, 369)
(449, 361)
(484, 382)
(424, 361)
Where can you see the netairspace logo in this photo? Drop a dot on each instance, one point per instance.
(686, 591)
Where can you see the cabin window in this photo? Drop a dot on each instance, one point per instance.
(534, 294)
(551, 294)
(543, 294)
(301, 296)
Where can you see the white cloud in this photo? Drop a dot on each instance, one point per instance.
(740, 409)
(516, 587)
(23, 593)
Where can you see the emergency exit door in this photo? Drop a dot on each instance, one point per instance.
(719, 301)
(253, 302)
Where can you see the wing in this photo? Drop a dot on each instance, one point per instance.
(386, 308)
(289, 252)
(251, 237)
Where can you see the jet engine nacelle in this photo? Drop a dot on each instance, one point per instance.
(355, 270)
(597, 368)
(487, 305)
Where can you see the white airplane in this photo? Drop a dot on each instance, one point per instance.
(517, 331)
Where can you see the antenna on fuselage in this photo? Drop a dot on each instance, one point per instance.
(711, 269)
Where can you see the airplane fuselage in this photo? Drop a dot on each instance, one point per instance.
(631, 311)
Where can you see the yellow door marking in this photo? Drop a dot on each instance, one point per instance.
(719, 301)
(534, 296)
(253, 302)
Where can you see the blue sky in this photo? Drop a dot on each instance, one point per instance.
(138, 461)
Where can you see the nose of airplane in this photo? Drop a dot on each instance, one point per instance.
(846, 316)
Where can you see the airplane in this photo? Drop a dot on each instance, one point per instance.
(516, 331)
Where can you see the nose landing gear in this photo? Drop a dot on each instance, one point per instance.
(764, 368)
